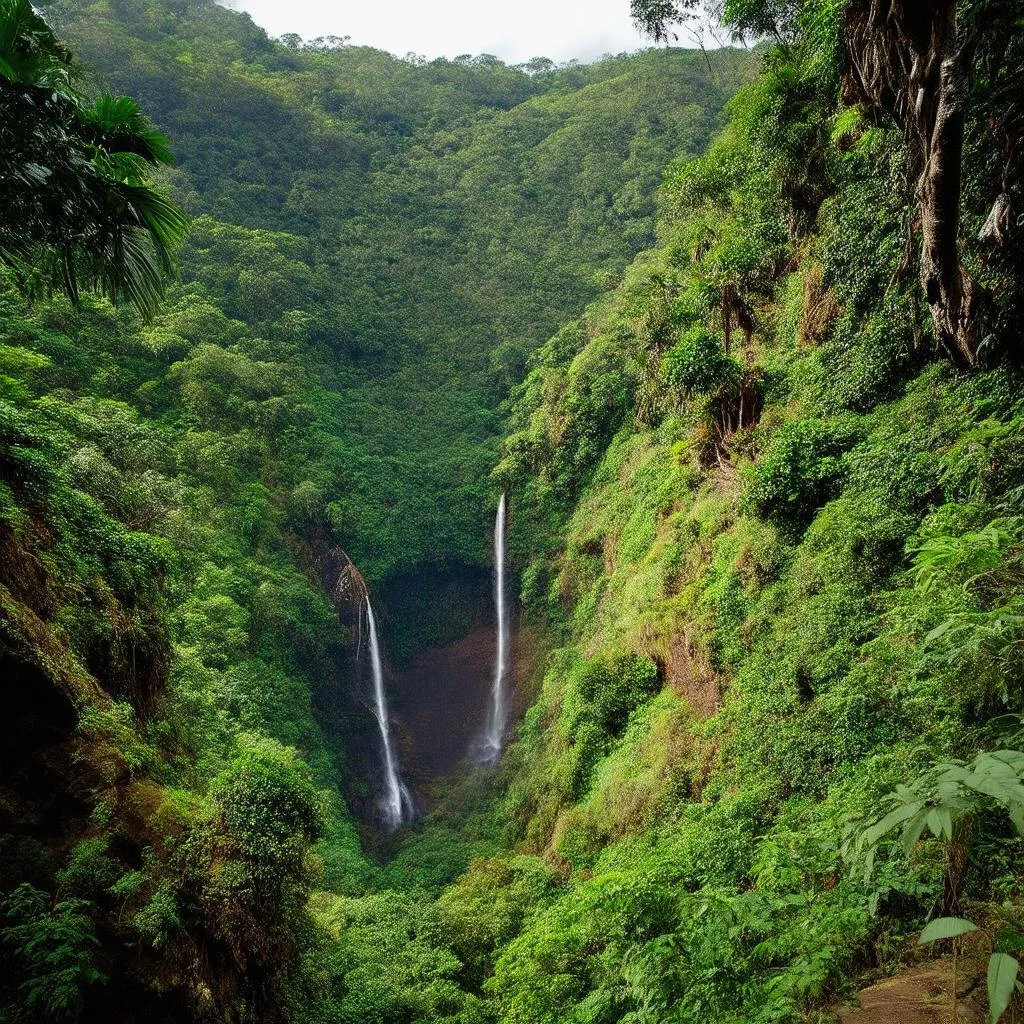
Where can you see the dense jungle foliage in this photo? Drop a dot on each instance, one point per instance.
(759, 415)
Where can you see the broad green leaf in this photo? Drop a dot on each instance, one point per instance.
(940, 630)
(1016, 813)
(912, 833)
(891, 820)
(946, 928)
(1002, 975)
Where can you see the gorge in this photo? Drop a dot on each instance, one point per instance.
(669, 406)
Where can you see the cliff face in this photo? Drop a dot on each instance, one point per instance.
(772, 532)
(99, 852)
(442, 697)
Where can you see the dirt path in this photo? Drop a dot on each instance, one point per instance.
(918, 995)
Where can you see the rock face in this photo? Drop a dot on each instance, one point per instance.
(920, 995)
(443, 695)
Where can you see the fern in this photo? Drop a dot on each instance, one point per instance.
(54, 950)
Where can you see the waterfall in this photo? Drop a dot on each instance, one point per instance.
(494, 734)
(396, 804)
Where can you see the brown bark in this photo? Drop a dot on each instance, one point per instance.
(956, 870)
(744, 315)
(905, 59)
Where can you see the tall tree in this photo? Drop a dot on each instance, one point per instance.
(77, 208)
(929, 68)
(907, 59)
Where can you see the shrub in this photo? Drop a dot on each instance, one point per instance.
(601, 695)
(269, 806)
(90, 869)
(801, 469)
(158, 919)
(698, 365)
(50, 955)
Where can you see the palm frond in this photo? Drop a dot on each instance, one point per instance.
(76, 207)
(121, 127)
(29, 51)
(166, 224)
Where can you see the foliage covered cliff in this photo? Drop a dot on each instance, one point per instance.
(776, 537)
(178, 688)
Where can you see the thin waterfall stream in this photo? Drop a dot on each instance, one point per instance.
(396, 804)
(494, 733)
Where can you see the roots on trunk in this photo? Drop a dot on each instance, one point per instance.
(906, 59)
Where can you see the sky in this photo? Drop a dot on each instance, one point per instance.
(514, 31)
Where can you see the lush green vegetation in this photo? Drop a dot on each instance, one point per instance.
(422, 225)
(765, 483)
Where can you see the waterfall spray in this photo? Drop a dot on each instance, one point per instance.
(396, 804)
(494, 734)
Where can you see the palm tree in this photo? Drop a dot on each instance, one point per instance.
(77, 208)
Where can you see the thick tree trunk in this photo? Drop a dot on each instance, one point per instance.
(905, 59)
(950, 293)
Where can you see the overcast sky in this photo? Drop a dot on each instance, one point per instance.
(514, 30)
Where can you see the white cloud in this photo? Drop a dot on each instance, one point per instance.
(559, 29)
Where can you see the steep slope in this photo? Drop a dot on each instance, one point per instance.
(765, 517)
(181, 721)
(774, 536)
(451, 215)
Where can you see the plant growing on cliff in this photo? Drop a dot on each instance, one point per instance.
(697, 364)
(50, 954)
(269, 807)
(799, 470)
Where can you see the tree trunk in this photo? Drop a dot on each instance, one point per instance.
(905, 59)
(727, 293)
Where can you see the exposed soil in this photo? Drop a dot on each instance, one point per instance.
(919, 995)
(692, 678)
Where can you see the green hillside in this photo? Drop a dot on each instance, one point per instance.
(445, 218)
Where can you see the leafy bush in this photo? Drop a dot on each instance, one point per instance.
(270, 809)
(697, 364)
(159, 918)
(90, 869)
(50, 953)
(606, 690)
(800, 469)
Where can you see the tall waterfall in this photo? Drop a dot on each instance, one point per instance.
(496, 718)
(396, 804)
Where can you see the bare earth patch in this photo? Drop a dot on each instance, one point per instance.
(919, 995)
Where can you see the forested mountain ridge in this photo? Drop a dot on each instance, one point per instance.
(452, 215)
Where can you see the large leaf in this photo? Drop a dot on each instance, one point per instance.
(891, 820)
(121, 127)
(1002, 976)
(940, 821)
(946, 928)
(912, 831)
